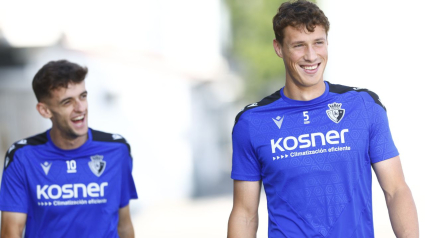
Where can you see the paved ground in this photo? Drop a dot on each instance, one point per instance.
(207, 218)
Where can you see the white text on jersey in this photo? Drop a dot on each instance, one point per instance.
(308, 140)
(66, 191)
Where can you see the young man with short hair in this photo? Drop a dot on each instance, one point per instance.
(70, 181)
(312, 144)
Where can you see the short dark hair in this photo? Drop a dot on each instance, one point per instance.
(56, 74)
(298, 14)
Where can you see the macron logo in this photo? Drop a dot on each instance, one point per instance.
(6, 162)
(46, 167)
(11, 148)
(22, 142)
(278, 121)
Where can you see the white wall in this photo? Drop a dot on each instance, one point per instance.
(145, 57)
(379, 45)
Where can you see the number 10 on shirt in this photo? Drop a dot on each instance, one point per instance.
(71, 166)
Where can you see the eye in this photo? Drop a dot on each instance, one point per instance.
(298, 45)
(320, 42)
(67, 102)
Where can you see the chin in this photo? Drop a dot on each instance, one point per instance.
(313, 80)
(81, 132)
(310, 82)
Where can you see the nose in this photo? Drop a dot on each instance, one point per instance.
(80, 106)
(310, 54)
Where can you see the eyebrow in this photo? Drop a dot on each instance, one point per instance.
(302, 42)
(63, 100)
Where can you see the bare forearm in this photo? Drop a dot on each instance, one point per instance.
(125, 226)
(7, 232)
(242, 226)
(127, 232)
(12, 224)
(10, 235)
(403, 215)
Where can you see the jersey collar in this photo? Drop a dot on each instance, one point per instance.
(313, 101)
(82, 147)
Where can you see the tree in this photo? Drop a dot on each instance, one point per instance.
(252, 48)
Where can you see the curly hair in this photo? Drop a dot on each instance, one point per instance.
(298, 14)
(56, 74)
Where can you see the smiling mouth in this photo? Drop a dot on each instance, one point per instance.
(78, 119)
(310, 67)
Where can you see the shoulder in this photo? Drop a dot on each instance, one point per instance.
(263, 102)
(367, 95)
(101, 136)
(23, 144)
(107, 137)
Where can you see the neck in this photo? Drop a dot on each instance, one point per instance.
(66, 142)
(303, 93)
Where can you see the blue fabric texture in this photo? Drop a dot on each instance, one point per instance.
(314, 159)
(68, 193)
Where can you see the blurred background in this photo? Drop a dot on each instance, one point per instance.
(170, 76)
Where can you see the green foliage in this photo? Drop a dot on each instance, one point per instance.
(252, 44)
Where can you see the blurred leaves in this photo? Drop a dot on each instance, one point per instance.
(252, 45)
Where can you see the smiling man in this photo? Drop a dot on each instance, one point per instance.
(312, 145)
(70, 181)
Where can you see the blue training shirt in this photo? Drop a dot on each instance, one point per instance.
(68, 193)
(314, 159)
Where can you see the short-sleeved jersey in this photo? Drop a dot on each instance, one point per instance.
(68, 193)
(314, 159)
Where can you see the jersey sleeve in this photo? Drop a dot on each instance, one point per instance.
(245, 165)
(128, 186)
(381, 144)
(13, 192)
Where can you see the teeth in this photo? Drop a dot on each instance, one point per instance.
(78, 118)
(311, 67)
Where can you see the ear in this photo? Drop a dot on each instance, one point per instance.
(277, 48)
(44, 110)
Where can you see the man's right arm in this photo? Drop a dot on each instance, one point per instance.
(12, 224)
(243, 221)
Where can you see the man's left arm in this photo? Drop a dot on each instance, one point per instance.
(401, 207)
(125, 227)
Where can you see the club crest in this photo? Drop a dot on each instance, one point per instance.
(335, 113)
(97, 165)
